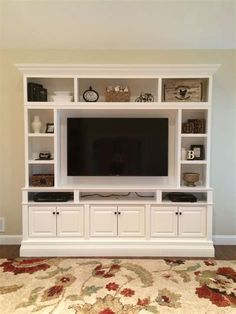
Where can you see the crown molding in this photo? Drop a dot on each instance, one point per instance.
(118, 70)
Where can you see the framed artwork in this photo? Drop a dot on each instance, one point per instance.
(198, 152)
(49, 128)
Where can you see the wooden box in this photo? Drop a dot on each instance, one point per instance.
(42, 180)
(184, 90)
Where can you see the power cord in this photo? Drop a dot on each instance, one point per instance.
(107, 195)
(139, 195)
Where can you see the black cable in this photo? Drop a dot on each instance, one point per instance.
(108, 195)
(139, 195)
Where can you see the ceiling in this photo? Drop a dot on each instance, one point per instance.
(124, 24)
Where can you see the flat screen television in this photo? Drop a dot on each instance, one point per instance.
(117, 146)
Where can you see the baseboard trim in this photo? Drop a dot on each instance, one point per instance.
(10, 239)
(217, 239)
(224, 239)
(29, 249)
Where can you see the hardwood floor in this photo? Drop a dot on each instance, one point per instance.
(222, 252)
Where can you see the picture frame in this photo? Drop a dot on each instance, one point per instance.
(198, 150)
(49, 128)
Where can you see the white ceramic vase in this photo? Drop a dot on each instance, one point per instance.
(36, 124)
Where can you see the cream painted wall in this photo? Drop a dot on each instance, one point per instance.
(223, 135)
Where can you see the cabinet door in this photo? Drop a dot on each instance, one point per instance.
(131, 221)
(103, 221)
(42, 221)
(164, 221)
(192, 222)
(70, 221)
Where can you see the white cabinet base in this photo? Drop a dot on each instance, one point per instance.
(139, 248)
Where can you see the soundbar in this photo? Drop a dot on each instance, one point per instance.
(53, 196)
(181, 197)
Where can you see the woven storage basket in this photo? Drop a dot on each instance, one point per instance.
(117, 96)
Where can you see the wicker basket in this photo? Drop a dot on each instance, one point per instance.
(194, 126)
(113, 96)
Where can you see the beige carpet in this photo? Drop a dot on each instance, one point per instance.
(120, 286)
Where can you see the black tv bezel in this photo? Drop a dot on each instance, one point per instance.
(120, 176)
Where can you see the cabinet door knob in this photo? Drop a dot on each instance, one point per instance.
(119, 213)
(53, 213)
(180, 213)
(115, 213)
(58, 213)
(176, 213)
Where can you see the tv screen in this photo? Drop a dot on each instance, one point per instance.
(117, 147)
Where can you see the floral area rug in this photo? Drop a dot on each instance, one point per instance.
(117, 286)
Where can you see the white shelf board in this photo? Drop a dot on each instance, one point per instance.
(40, 162)
(186, 203)
(103, 189)
(41, 134)
(193, 135)
(197, 188)
(193, 162)
(46, 104)
(49, 203)
(117, 105)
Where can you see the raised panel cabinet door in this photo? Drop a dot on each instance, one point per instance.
(42, 221)
(70, 221)
(192, 222)
(103, 221)
(164, 221)
(131, 221)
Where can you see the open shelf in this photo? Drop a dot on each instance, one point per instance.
(117, 196)
(45, 117)
(40, 169)
(38, 144)
(50, 85)
(51, 197)
(135, 86)
(201, 197)
(185, 89)
(199, 168)
(194, 122)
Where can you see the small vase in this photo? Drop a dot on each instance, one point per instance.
(36, 124)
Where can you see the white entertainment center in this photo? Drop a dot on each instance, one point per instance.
(117, 215)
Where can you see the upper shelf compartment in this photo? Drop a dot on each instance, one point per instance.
(185, 90)
(117, 89)
(50, 89)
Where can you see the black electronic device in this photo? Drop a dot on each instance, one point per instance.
(53, 196)
(117, 146)
(181, 197)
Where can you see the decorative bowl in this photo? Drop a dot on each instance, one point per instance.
(62, 98)
(191, 178)
(62, 92)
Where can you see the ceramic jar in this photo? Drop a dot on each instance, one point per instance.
(36, 124)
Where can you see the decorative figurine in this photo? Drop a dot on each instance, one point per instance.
(145, 97)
